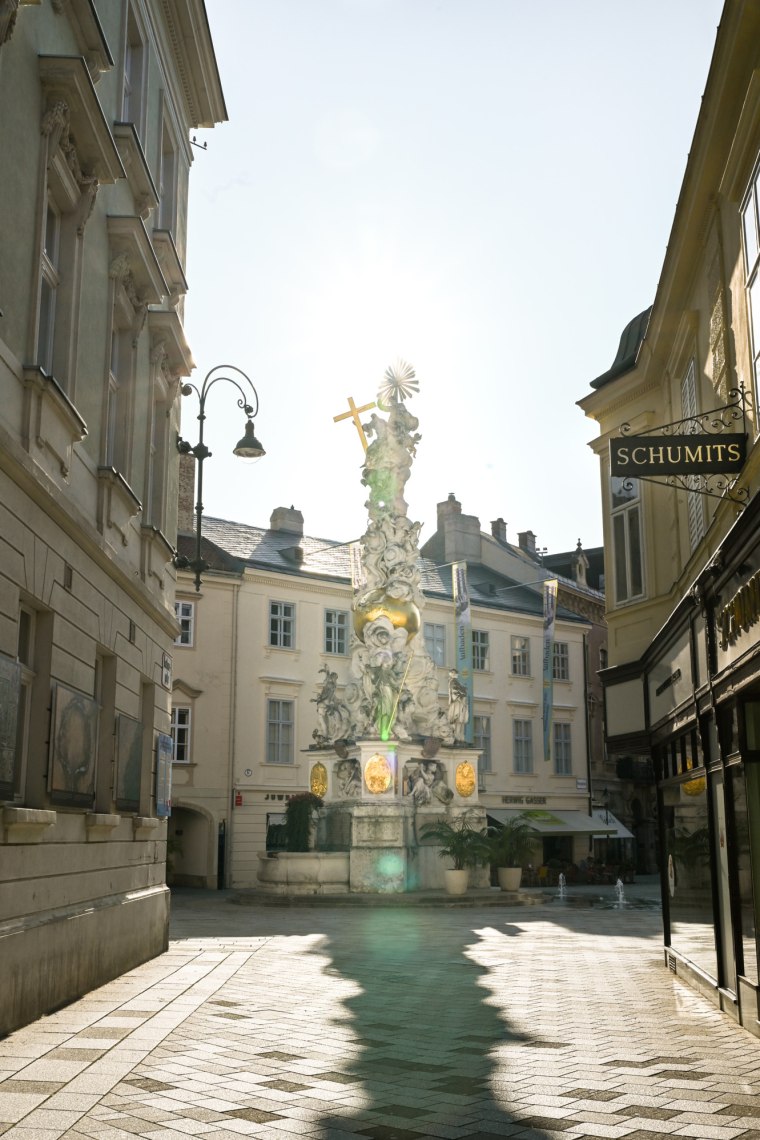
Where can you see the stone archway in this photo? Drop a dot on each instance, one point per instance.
(191, 847)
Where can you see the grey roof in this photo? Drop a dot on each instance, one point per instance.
(238, 545)
(630, 342)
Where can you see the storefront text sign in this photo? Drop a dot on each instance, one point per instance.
(677, 455)
(740, 613)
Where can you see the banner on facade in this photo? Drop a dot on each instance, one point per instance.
(164, 756)
(550, 613)
(677, 455)
(358, 573)
(464, 636)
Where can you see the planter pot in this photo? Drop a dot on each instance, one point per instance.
(456, 882)
(509, 878)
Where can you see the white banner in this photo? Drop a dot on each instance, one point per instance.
(550, 613)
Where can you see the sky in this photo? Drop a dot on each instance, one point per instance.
(483, 189)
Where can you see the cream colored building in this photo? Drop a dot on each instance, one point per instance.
(98, 98)
(683, 689)
(275, 608)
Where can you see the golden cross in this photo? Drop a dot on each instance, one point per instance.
(353, 414)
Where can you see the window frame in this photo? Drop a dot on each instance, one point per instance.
(519, 655)
(482, 739)
(561, 661)
(336, 628)
(282, 626)
(522, 746)
(481, 650)
(186, 622)
(278, 744)
(434, 635)
(562, 748)
(751, 204)
(187, 730)
(628, 514)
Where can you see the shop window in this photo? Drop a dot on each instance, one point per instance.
(744, 792)
(626, 538)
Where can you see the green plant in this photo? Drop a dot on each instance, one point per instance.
(299, 815)
(511, 844)
(458, 840)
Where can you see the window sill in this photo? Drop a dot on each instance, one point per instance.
(26, 825)
(99, 825)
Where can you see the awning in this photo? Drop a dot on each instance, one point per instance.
(607, 819)
(547, 821)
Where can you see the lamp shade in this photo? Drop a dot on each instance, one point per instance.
(248, 447)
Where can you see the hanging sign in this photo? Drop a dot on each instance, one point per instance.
(677, 455)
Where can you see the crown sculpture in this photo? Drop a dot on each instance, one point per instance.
(392, 692)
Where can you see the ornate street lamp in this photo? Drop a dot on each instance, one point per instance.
(247, 448)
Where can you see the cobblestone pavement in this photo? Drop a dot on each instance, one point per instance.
(542, 1021)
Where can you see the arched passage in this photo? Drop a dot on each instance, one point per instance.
(191, 848)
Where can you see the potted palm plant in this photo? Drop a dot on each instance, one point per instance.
(465, 845)
(511, 844)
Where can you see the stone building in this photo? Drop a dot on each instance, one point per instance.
(680, 475)
(98, 98)
(275, 609)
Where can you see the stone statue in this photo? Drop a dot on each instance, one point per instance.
(458, 712)
(348, 778)
(333, 717)
(427, 780)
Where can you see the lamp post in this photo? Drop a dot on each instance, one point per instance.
(247, 448)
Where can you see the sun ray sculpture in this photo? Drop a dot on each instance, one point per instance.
(393, 689)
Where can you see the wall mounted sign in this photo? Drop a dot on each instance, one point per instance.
(637, 455)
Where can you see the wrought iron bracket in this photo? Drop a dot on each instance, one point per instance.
(724, 418)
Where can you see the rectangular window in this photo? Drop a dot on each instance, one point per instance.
(16, 680)
(694, 501)
(435, 642)
(279, 732)
(336, 631)
(282, 625)
(134, 76)
(49, 282)
(180, 730)
(167, 182)
(561, 661)
(185, 615)
(117, 412)
(626, 537)
(520, 656)
(522, 741)
(563, 757)
(751, 236)
(602, 658)
(481, 738)
(480, 650)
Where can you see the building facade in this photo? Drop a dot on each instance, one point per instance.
(275, 611)
(98, 99)
(680, 472)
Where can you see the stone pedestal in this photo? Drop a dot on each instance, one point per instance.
(377, 798)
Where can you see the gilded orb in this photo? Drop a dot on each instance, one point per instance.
(401, 613)
(377, 774)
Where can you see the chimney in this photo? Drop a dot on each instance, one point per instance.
(287, 519)
(499, 530)
(186, 495)
(527, 541)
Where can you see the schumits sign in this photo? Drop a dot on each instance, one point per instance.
(677, 455)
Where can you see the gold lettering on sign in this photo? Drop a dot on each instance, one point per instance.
(740, 614)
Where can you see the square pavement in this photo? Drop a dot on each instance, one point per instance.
(388, 1023)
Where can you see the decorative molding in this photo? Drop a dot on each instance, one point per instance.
(117, 503)
(128, 239)
(99, 825)
(166, 329)
(156, 552)
(140, 181)
(66, 79)
(83, 21)
(50, 420)
(171, 266)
